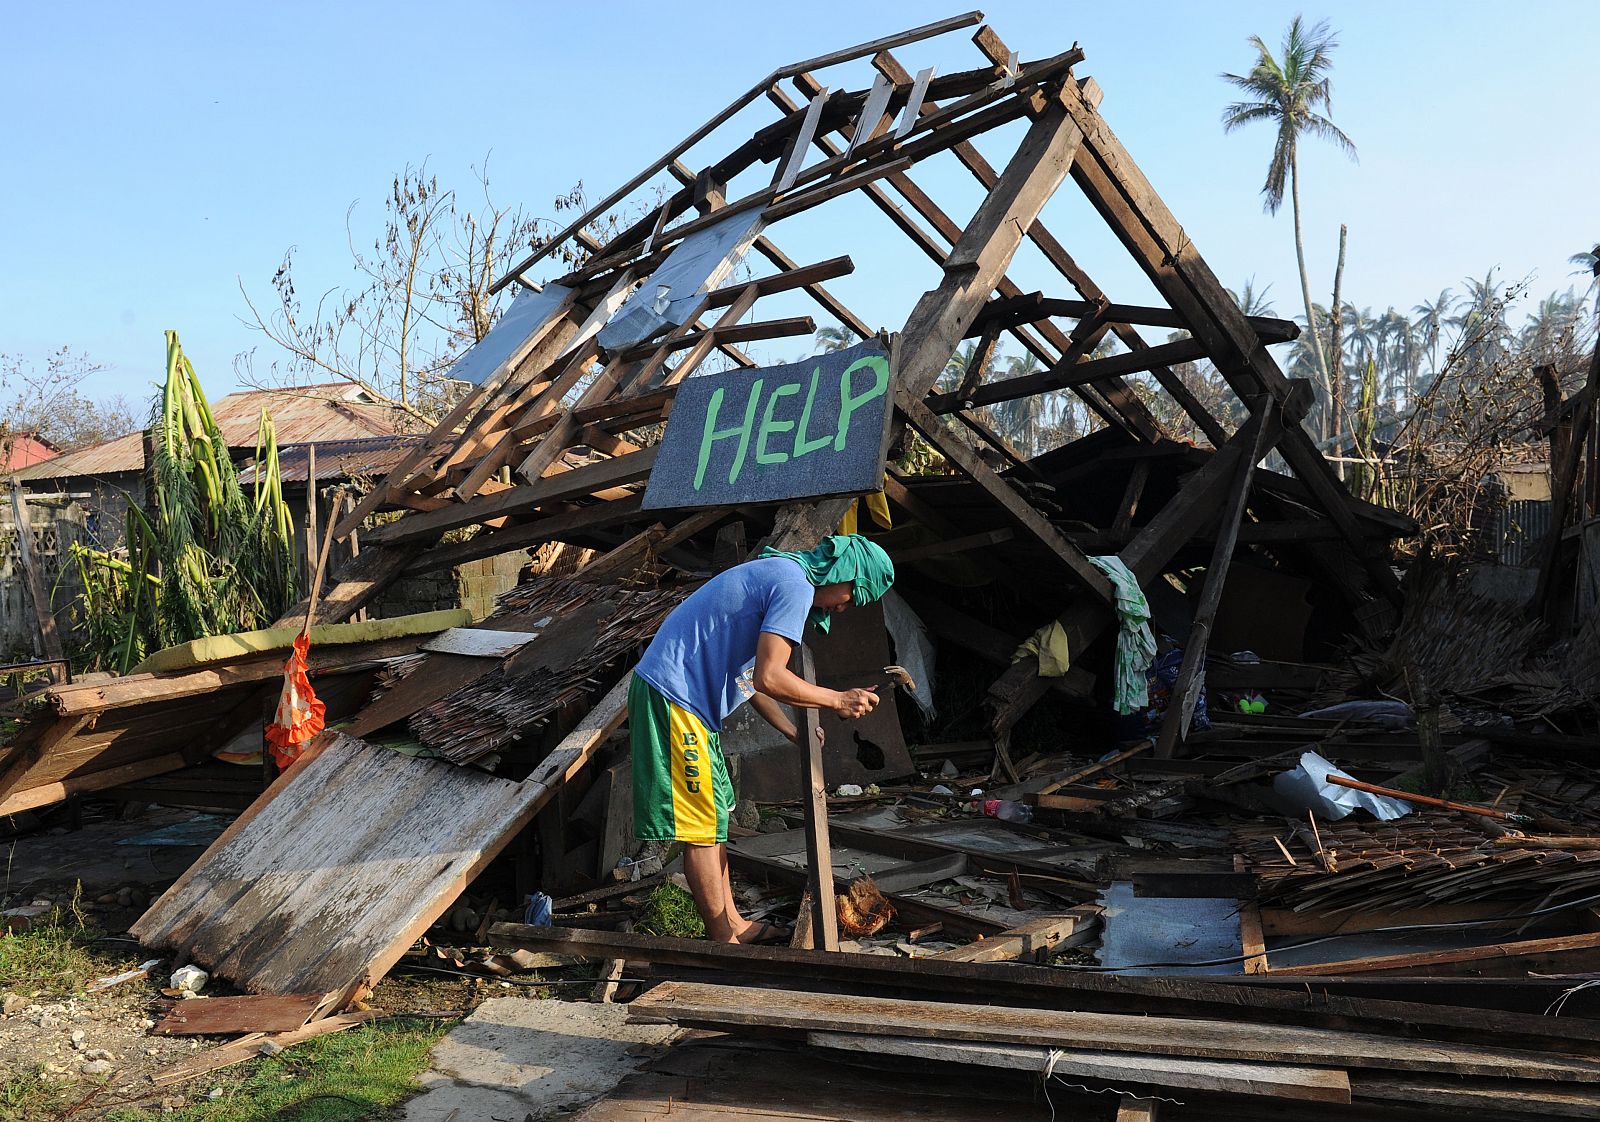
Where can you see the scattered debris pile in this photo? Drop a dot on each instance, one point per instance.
(1047, 849)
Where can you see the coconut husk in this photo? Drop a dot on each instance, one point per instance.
(863, 909)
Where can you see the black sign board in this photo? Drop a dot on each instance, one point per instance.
(803, 430)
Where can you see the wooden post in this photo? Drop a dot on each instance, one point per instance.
(50, 641)
(311, 508)
(824, 917)
(1563, 476)
(1186, 688)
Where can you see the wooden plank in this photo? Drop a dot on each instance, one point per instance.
(49, 638)
(985, 249)
(554, 332)
(998, 489)
(1282, 1003)
(220, 1016)
(573, 522)
(439, 827)
(819, 853)
(1033, 306)
(1138, 1110)
(1070, 373)
(800, 143)
(1035, 940)
(735, 1007)
(572, 484)
(1525, 954)
(1228, 1077)
(48, 793)
(1252, 942)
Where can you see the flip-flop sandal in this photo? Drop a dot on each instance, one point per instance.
(769, 935)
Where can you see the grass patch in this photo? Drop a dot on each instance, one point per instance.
(670, 911)
(31, 1098)
(343, 1077)
(53, 958)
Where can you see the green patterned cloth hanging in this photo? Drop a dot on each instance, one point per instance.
(1136, 646)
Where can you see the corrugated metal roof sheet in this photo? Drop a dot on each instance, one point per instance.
(340, 459)
(305, 414)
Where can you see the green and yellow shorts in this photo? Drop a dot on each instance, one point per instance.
(681, 790)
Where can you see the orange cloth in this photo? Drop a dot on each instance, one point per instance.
(300, 714)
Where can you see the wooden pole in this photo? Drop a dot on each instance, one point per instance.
(1186, 688)
(1564, 475)
(824, 916)
(50, 641)
(311, 507)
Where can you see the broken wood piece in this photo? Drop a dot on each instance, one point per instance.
(1055, 782)
(219, 1016)
(1233, 1077)
(257, 1044)
(1035, 940)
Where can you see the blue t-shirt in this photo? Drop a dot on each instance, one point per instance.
(704, 654)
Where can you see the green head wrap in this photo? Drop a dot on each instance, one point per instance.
(843, 559)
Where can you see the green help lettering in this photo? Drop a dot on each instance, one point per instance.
(780, 439)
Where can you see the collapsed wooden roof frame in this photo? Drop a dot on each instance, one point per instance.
(525, 412)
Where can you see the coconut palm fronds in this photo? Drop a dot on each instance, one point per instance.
(211, 560)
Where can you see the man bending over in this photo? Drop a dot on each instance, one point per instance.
(728, 643)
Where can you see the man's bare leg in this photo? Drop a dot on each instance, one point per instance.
(742, 928)
(705, 867)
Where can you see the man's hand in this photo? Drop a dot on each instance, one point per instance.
(799, 741)
(854, 704)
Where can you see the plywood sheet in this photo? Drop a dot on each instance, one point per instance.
(316, 888)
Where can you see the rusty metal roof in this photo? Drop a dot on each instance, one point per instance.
(302, 415)
(340, 459)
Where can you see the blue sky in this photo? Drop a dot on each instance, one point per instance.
(158, 155)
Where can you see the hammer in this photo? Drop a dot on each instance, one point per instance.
(894, 676)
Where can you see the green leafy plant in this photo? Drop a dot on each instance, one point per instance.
(212, 560)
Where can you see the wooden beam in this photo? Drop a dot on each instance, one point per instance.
(1186, 687)
(1136, 214)
(572, 484)
(1562, 480)
(824, 920)
(859, 51)
(547, 528)
(1000, 491)
(1035, 306)
(1168, 996)
(1068, 374)
(1062, 261)
(985, 249)
(49, 638)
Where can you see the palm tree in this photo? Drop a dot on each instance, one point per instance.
(1251, 302)
(1430, 323)
(1588, 265)
(1288, 93)
(955, 371)
(835, 338)
(1024, 420)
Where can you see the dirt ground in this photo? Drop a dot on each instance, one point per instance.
(95, 888)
